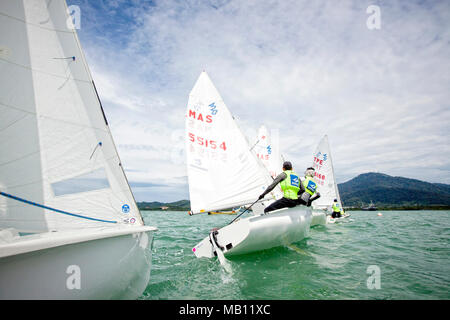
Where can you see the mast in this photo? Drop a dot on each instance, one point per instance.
(336, 190)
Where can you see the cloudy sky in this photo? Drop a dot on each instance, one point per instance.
(376, 84)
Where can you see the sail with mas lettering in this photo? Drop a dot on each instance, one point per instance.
(222, 170)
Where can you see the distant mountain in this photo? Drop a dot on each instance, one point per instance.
(383, 190)
(388, 191)
(181, 205)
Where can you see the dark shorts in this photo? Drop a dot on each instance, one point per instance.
(336, 215)
(282, 203)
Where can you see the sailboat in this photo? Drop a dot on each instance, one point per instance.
(69, 224)
(324, 176)
(223, 172)
(371, 207)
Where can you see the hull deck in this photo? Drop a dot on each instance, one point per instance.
(255, 233)
(105, 264)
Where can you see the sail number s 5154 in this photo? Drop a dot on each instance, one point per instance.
(207, 143)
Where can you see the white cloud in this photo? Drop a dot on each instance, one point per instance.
(304, 68)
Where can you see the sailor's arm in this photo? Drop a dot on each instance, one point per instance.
(314, 197)
(277, 180)
(302, 187)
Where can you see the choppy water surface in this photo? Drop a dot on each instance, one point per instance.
(411, 249)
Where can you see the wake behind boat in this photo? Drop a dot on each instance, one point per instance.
(69, 225)
(224, 172)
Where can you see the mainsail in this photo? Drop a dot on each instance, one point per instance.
(324, 176)
(222, 170)
(59, 168)
(268, 152)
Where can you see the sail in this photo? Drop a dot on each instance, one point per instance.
(268, 152)
(222, 170)
(324, 176)
(59, 167)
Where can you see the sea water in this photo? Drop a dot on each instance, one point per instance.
(396, 255)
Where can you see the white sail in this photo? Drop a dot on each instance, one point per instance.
(324, 176)
(66, 208)
(59, 168)
(268, 152)
(222, 170)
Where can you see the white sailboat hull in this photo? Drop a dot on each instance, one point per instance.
(319, 217)
(255, 233)
(101, 264)
(334, 220)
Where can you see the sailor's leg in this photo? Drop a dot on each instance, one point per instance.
(281, 203)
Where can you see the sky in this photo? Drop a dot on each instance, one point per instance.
(372, 75)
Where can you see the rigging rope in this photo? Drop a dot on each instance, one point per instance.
(53, 209)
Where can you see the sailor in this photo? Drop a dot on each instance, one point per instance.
(308, 188)
(336, 210)
(290, 185)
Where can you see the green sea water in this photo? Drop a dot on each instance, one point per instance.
(399, 255)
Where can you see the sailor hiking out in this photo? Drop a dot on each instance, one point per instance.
(308, 189)
(290, 185)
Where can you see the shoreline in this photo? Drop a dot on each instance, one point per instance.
(402, 208)
(434, 208)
